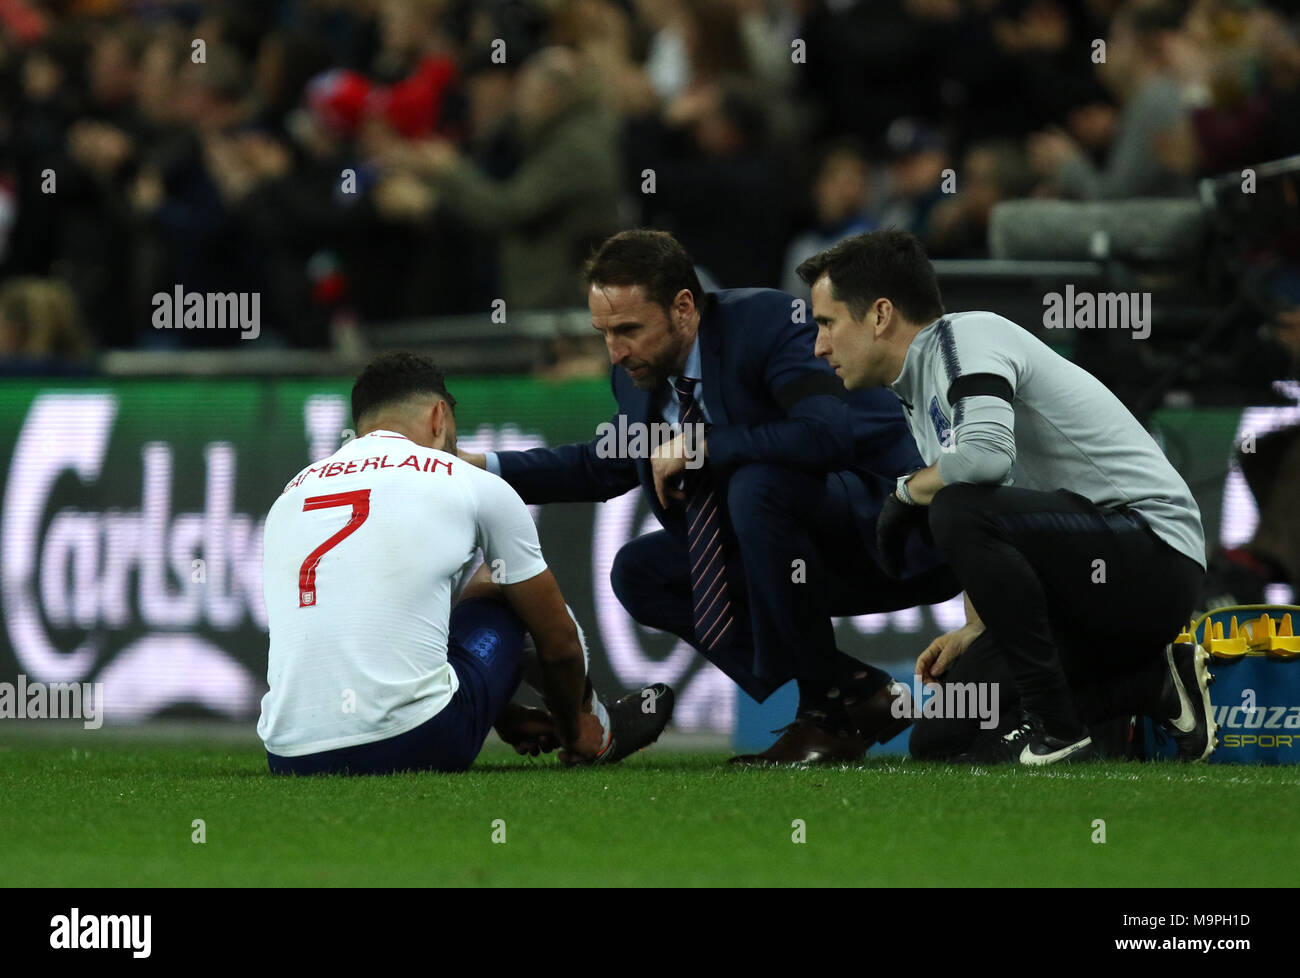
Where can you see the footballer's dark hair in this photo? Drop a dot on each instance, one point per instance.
(654, 260)
(887, 264)
(393, 377)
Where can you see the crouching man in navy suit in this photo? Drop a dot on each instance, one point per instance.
(767, 495)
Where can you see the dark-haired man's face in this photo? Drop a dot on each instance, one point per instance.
(847, 344)
(649, 342)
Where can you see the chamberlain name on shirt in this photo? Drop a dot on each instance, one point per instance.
(429, 464)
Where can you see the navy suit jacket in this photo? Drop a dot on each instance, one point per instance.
(771, 400)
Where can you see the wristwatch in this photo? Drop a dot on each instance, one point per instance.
(902, 492)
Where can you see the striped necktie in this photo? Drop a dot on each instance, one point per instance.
(714, 617)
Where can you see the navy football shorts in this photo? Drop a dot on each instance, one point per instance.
(485, 648)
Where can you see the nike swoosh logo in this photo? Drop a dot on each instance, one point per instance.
(1027, 756)
(1186, 721)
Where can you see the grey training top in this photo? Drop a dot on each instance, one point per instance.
(1026, 416)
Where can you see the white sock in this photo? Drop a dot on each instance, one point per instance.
(533, 673)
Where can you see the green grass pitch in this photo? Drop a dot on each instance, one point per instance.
(107, 812)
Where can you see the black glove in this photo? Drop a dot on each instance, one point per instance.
(893, 526)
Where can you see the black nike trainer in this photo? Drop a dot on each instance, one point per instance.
(1028, 743)
(1187, 691)
(636, 721)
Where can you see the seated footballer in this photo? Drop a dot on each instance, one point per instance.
(386, 653)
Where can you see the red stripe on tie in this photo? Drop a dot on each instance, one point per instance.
(708, 575)
(700, 576)
(699, 508)
(705, 639)
(702, 613)
(694, 578)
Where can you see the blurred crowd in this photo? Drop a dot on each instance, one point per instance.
(381, 160)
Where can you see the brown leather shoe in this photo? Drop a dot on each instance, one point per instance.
(807, 742)
(874, 716)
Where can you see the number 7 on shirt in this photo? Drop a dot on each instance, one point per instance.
(359, 500)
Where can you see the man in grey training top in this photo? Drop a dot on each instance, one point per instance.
(1078, 545)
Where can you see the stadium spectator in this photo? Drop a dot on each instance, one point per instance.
(605, 34)
(716, 185)
(914, 179)
(700, 42)
(100, 152)
(47, 98)
(188, 200)
(863, 74)
(155, 177)
(840, 195)
(559, 202)
(284, 63)
(1243, 70)
(40, 329)
(409, 33)
(491, 143)
(991, 171)
(1151, 155)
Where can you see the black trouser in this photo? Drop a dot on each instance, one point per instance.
(1078, 603)
(800, 559)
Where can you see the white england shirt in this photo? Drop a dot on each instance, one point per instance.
(364, 554)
